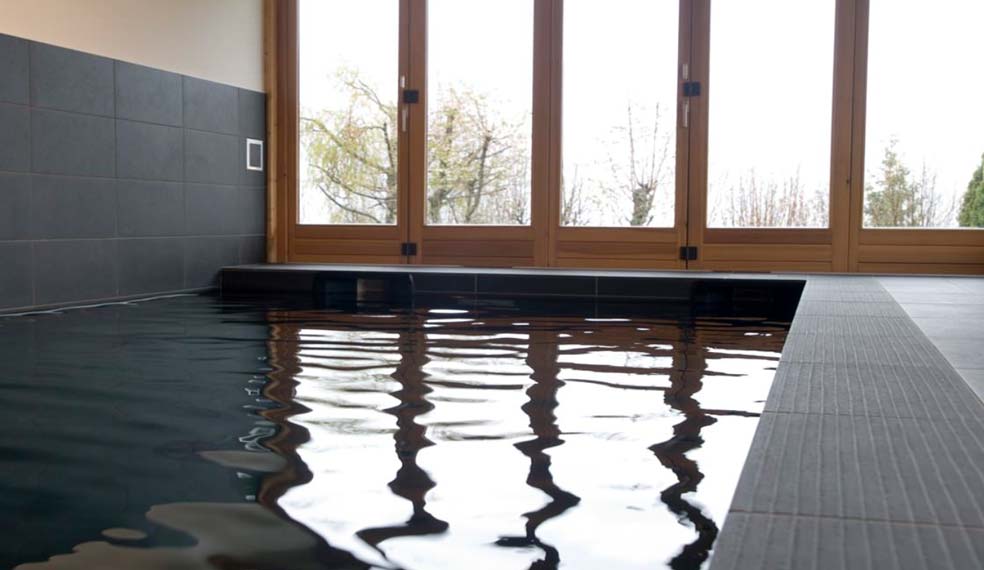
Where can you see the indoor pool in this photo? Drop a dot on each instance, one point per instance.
(197, 432)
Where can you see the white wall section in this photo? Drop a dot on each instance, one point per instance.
(218, 40)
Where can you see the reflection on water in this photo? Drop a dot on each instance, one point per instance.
(200, 434)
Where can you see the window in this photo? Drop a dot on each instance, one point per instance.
(620, 113)
(924, 139)
(770, 98)
(348, 111)
(479, 116)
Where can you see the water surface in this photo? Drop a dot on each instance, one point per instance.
(194, 432)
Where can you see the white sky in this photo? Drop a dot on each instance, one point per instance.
(771, 73)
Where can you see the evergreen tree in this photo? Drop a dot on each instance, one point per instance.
(900, 200)
(972, 209)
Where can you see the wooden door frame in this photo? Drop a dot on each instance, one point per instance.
(893, 250)
(774, 249)
(845, 246)
(494, 245)
(618, 247)
(288, 239)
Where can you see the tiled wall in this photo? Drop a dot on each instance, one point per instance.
(119, 180)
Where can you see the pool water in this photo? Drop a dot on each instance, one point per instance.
(196, 432)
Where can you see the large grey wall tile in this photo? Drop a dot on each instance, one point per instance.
(150, 265)
(70, 207)
(16, 277)
(146, 94)
(66, 143)
(15, 206)
(252, 114)
(211, 158)
(74, 270)
(251, 211)
(15, 138)
(252, 249)
(204, 256)
(150, 208)
(149, 152)
(71, 81)
(210, 106)
(13, 70)
(211, 209)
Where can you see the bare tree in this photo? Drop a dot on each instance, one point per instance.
(753, 202)
(643, 174)
(478, 162)
(574, 206)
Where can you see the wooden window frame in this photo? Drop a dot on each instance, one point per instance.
(845, 246)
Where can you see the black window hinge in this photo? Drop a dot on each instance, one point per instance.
(688, 253)
(408, 248)
(691, 89)
(411, 96)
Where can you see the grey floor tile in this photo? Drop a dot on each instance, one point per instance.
(778, 542)
(876, 468)
(887, 308)
(968, 284)
(913, 351)
(974, 378)
(945, 310)
(865, 390)
(928, 285)
(71, 80)
(939, 327)
(906, 298)
(14, 70)
(146, 94)
(962, 352)
(849, 325)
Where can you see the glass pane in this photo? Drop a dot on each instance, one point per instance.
(349, 66)
(479, 124)
(619, 108)
(771, 88)
(924, 135)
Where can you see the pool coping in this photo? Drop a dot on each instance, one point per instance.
(870, 450)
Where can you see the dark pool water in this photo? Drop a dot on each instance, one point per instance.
(193, 432)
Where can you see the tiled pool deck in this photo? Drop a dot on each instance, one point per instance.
(870, 452)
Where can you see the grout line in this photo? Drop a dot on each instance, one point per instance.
(857, 519)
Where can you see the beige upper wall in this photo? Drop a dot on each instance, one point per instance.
(219, 40)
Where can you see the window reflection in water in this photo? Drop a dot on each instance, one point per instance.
(434, 439)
